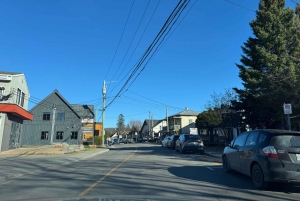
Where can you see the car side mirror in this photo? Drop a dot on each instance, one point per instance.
(228, 144)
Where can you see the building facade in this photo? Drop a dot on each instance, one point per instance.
(56, 121)
(14, 96)
(182, 121)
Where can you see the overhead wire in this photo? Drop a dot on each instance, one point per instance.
(135, 49)
(239, 5)
(148, 51)
(132, 39)
(157, 48)
(172, 16)
(163, 104)
(120, 39)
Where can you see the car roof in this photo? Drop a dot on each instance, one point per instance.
(278, 131)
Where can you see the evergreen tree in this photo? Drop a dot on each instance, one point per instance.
(269, 67)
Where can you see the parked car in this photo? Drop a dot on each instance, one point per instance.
(116, 141)
(265, 155)
(171, 143)
(189, 143)
(165, 141)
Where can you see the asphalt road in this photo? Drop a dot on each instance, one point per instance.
(130, 172)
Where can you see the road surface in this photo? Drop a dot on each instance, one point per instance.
(129, 172)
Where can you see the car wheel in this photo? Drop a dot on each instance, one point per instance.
(181, 150)
(226, 166)
(258, 177)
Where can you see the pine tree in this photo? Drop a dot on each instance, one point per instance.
(269, 67)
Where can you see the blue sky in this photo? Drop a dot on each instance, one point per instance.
(71, 46)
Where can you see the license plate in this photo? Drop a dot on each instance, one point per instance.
(298, 157)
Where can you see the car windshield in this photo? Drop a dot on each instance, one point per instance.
(92, 90)
(286, 140)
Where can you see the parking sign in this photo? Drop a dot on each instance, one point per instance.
(287, 108)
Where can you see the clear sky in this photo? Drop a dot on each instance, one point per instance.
(74, 45)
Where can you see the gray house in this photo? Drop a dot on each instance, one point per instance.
(56, 121)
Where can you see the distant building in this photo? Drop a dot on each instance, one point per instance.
(152, 128)
(14, 95)
(57, 121)
(182, 121)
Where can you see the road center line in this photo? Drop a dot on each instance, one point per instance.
(107, 174)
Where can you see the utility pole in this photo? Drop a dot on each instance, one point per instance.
(149, 130)
(167, 119)
(103, 110)
(94, 124)
(152, 135)
(53, 123)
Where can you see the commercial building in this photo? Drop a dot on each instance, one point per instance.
(14, 95)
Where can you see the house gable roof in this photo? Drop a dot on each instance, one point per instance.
(10, 73)
(84, 111)
(55, 92)
(186, 113)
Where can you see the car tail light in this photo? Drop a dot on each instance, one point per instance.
(271, 152)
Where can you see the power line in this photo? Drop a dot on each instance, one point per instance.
(180, 6)
(120, 39)
(158, 47)
(147, 52)
(135, 48)
(132, 40)
(155, 101)
(294, 2)
(239, 5)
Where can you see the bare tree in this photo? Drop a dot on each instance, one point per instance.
(135, 125)
(221, 104)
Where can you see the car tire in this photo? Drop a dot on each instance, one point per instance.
(181, 150)
(226, 166)
(258, 177)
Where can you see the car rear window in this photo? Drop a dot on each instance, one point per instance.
(286, 140)
(192, 137)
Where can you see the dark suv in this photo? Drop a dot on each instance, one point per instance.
(265, 155)
(189, 142)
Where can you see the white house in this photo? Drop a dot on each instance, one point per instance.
(182, 121)
(155, 127)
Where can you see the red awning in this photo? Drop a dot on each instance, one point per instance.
(15, 110)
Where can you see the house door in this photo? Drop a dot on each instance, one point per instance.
(15, 134)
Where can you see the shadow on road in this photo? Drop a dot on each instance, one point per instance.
(216, 175)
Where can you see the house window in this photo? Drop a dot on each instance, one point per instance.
(74, 135)
(59, 135)
(46, 116)
(18, 97)
(61, 116)
(203, 132)
(2, 91)
(44, 135)
(190, 121)
(22, 99)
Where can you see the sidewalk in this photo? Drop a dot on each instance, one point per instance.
(41, 150)
(216, 150)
